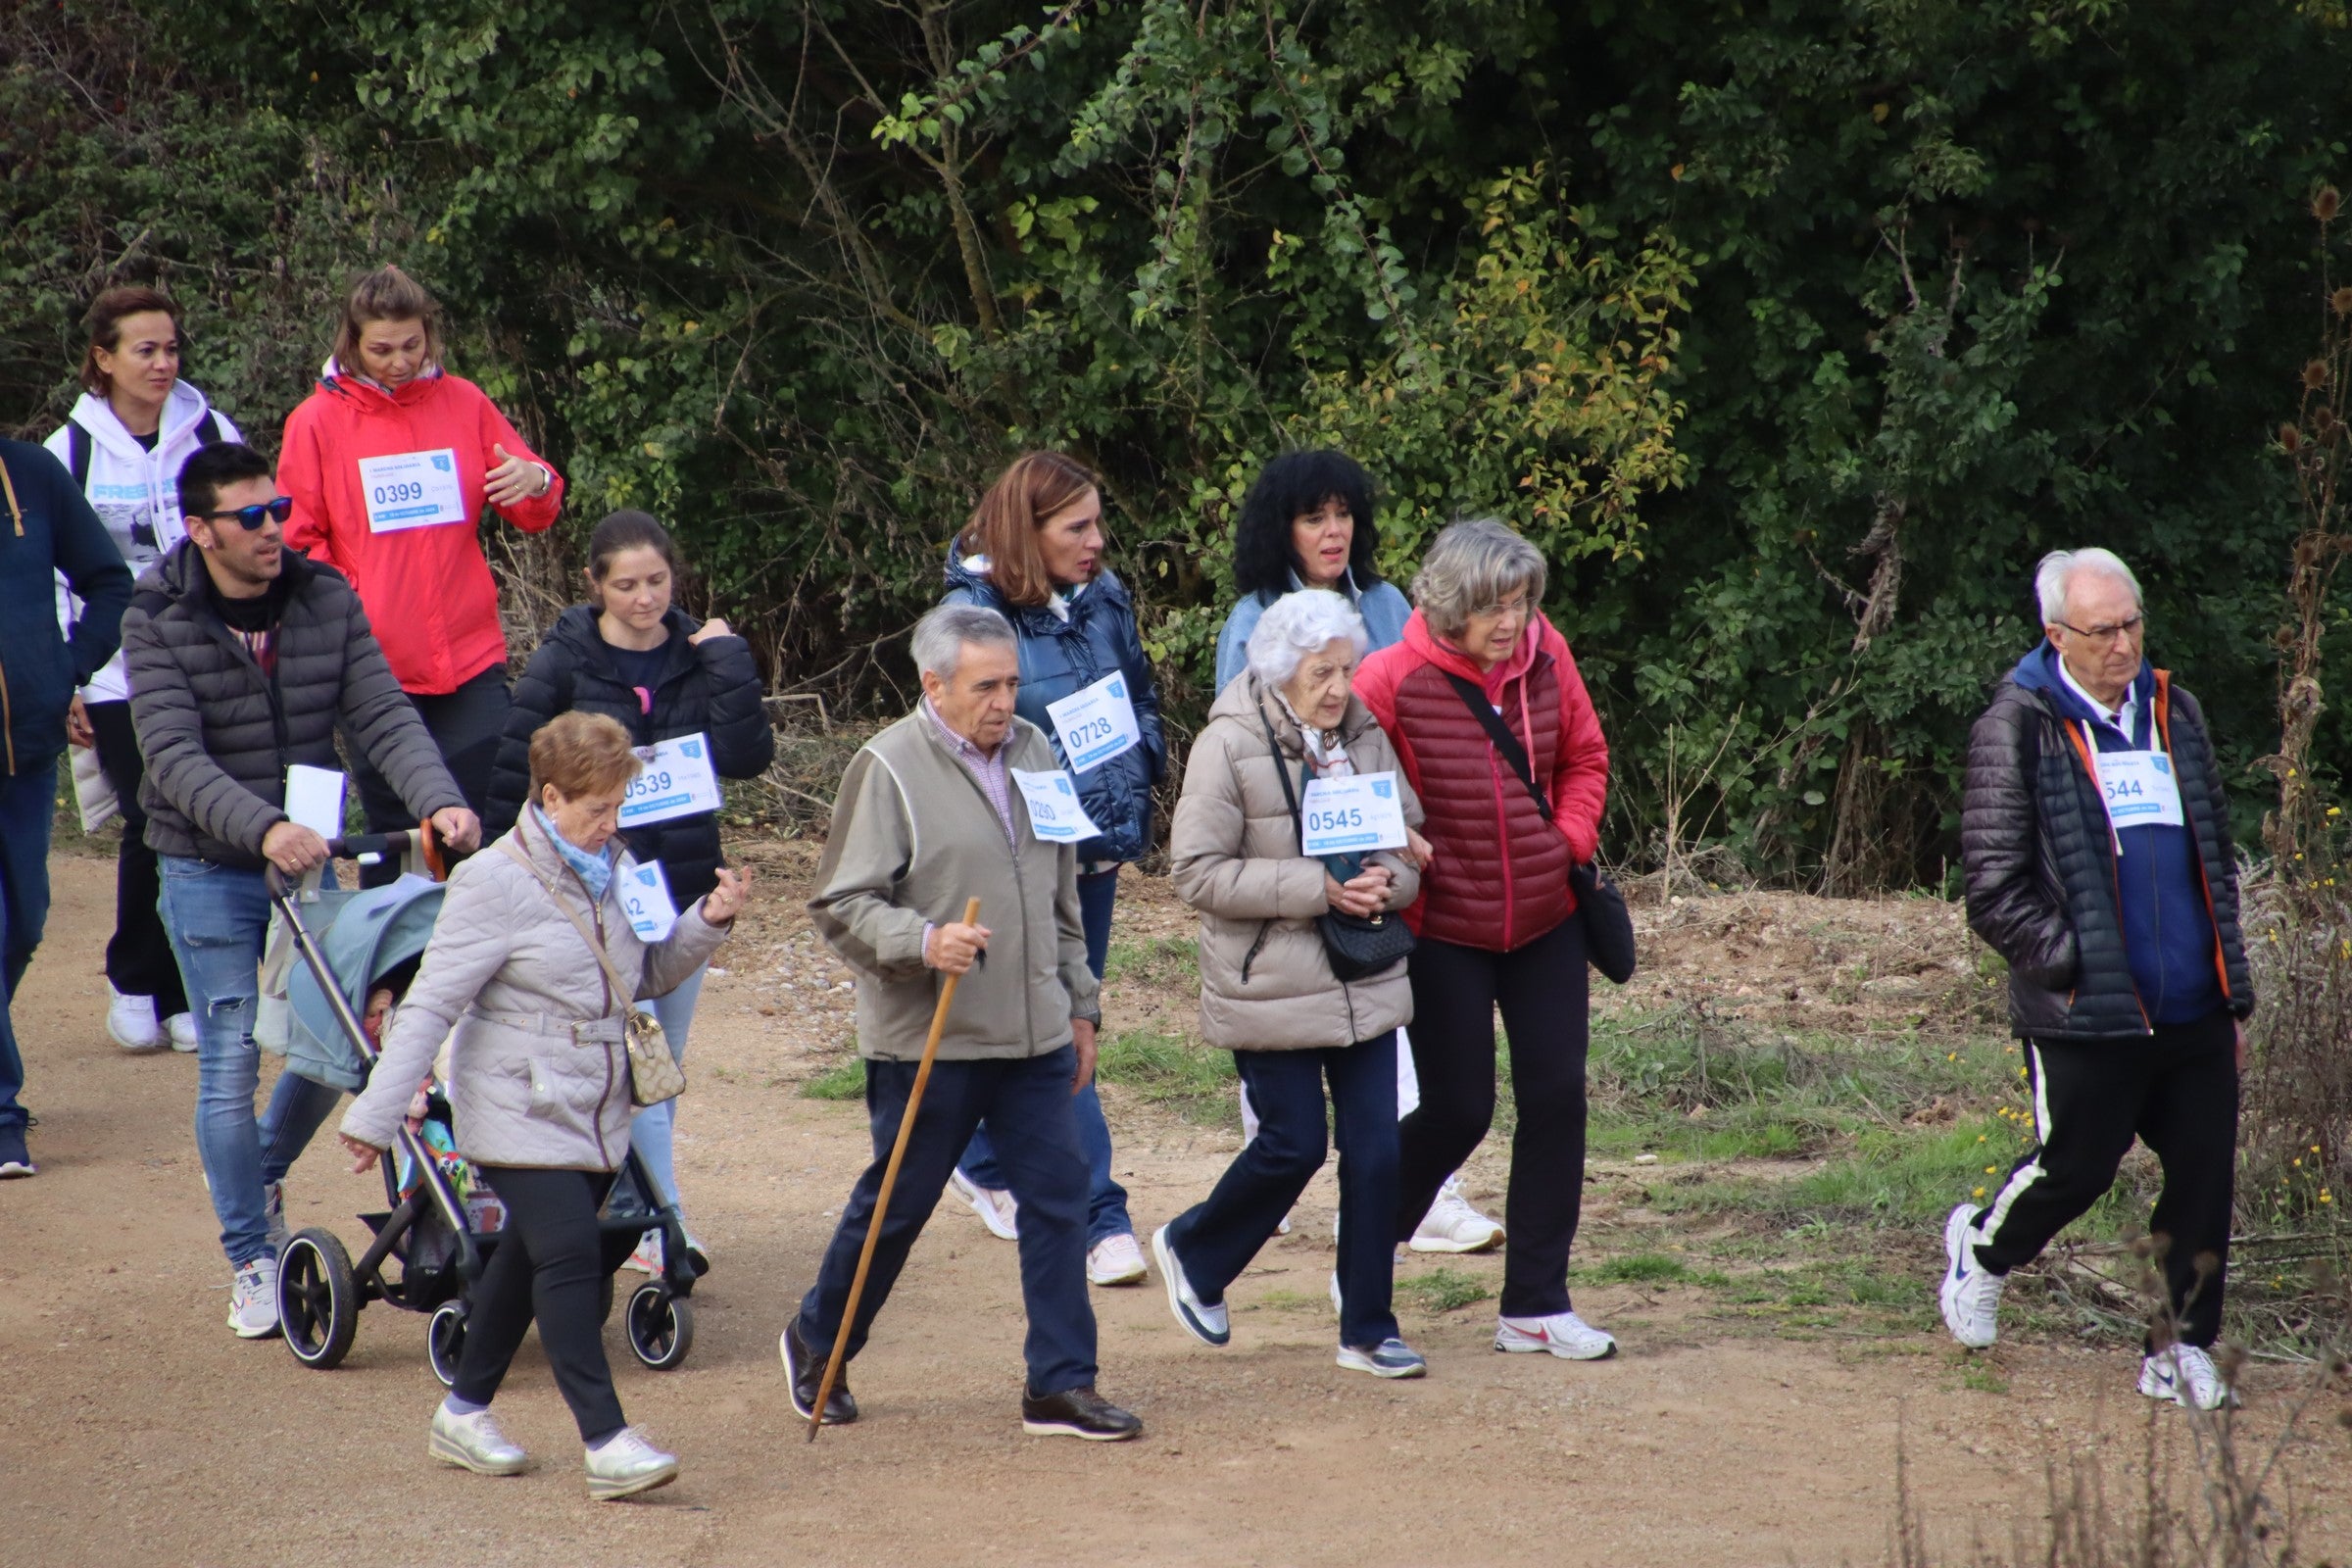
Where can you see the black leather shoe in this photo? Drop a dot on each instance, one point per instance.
(804, 1370)
(1077, 1413)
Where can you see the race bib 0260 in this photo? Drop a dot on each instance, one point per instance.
(1056, 814)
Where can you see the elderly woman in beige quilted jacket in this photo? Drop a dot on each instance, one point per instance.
(1268, 992)
(538, 1083)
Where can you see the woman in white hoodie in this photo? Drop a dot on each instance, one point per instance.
(136, 424)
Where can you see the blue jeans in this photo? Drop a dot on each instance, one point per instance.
(27, 800)
(1216, 1237)
(1029, 1099)
(1107, 1200)
(217, 917)
(650, 1128)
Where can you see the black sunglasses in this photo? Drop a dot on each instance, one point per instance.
(251, 517)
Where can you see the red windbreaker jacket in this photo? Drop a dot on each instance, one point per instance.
(426, 590)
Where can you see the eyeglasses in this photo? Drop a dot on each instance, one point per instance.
(2125, 629)
(252, 517)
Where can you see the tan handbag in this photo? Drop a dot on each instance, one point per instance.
(654, 1075)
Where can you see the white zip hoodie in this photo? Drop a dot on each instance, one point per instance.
(135, 494)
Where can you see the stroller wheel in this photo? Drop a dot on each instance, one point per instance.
(445, 1341)
(660, 1326)
(317, 1299)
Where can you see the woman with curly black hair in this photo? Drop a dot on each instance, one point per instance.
(1308, 524)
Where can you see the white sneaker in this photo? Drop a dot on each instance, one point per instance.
(1210, 1325)
(253, 1299)
(1971, 1296)
(2186, 1375)
(473, 1443)
(181, 1027)
(995, 1207)
(130, 1021)
(1562, 1333)
(647, 1259)
(1339, 1303)
(625, 1464)
(1451, 1225)
(273, 1210)
(1115, 1261)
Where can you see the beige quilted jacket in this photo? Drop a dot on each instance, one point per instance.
(538, 1072)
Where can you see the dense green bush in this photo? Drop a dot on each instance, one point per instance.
(1794, 332)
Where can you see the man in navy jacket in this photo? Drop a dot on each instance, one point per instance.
(2094, 838)
(48, 529)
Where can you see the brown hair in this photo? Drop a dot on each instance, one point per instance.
(581, 754)
(105, 324)
(629, 530)
(1003, 526)
(387, 294)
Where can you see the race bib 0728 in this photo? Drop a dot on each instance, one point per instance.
(1096, 723)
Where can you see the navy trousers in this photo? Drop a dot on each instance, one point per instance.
(1028, 1103)
(27, 802)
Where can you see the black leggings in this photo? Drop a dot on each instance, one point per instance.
(138, 956)
(467, 724)
(1541, 989)
(550, 1263)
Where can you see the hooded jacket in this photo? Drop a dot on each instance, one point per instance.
(47, 530)
(2101, 945)
(427, 589)
(218, 733)
(1060, 657)
(1233, 854)
(134, 491)
(1501, 876)
(538, 1068)
(1383, 605)
(709, 688)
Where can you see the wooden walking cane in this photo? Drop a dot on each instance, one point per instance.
(890, 1179)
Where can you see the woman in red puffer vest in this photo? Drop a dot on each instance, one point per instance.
(1496, 918)
(390, 463)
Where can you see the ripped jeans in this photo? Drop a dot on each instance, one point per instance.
(217, 917)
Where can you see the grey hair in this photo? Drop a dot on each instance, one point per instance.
(1298, 624)
(2058, 569)
(942, 634)
(1471, 568)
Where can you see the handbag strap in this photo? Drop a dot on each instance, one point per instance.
(622, 991)
(1283, 773)
(1473, 698)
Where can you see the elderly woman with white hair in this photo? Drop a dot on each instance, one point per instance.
(1269, 990)
(1498, 738)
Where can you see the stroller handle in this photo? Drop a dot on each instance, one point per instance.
(360, 846)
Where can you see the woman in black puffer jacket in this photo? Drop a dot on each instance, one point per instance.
(631, 655)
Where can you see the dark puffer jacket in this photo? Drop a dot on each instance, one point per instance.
(1060, 657)
(2038, 857)
(46, 527)
(218, 734)
(709, 688)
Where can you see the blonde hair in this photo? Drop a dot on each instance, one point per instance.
(387, 294)
(581, 754)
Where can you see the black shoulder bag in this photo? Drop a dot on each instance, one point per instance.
(1608, 923)
(1356, 945)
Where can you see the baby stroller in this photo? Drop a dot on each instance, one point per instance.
(442, 1221)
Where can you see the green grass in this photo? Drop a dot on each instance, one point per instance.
(1186, 1077)
(842, 1081)
(1641, 1268)
(1171, 962)
(1441, 1289)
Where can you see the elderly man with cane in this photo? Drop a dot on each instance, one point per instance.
(2095, 840)
(962, 801)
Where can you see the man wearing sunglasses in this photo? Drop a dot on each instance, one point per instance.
(243, 658)
(46, 528)
(2095, 840)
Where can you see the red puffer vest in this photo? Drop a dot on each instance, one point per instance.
(1501, 876)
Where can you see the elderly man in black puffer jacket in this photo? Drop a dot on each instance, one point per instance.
(2096, 843)
(243, 658)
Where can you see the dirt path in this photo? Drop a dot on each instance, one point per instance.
(133, 1429)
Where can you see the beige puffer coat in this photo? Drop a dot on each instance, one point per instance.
(1234, 856)
(539, 1074)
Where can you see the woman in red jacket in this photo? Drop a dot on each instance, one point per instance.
(389, 464)
(1500, 741)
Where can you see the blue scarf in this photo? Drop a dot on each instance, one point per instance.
(595, 870)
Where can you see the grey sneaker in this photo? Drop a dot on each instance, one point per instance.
(1389, 1358)
(626, 1464)
(253, 1299)
(473, 1443)
(274, 1212)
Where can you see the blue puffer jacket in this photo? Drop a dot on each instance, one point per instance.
(1059, 656)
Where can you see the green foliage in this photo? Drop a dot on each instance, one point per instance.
(844, 1080)
(1794, 333)
(1441, 1291)
(1182, 1075)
